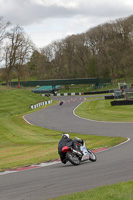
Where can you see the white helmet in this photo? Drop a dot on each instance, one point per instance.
(65, 135)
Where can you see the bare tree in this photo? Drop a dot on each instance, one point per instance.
(47, 55)
(55, 59)
(3, 33)
(23, 55)
(82, 55)
(18, 50)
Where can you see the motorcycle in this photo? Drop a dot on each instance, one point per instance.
(77, 156)
(61, 102)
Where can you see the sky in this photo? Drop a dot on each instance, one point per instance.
(46, 21)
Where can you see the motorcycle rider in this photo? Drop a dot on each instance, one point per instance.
(66, 141)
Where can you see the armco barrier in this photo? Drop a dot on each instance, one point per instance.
(98, 92)
(80, 93)
(114, 97)
(68, 94)
(41, 104)
(121, 102)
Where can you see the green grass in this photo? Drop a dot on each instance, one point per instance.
(85, 88)
(101, 110)
(22, 144)
(119, 191)
(17, 101)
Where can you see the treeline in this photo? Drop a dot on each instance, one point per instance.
(105, 51)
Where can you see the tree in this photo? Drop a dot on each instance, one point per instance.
(82, 56)
(17, 50)
(23, 55)
(3, 33)
(102, 51)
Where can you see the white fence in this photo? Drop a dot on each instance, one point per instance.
(41, 104)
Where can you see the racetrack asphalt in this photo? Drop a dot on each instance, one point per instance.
(112, 166)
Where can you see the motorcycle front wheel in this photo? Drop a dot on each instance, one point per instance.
(72, 158)
(92, 156)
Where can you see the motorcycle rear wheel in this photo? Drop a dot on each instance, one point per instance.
(92, 156)
(72, 158)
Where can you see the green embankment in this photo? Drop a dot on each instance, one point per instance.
(22, 144)
(119, 191)
(101, 110)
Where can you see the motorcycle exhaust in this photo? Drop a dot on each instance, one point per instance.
(77, 152)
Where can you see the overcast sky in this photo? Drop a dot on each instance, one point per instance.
(48, 20)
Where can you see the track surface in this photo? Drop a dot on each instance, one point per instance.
(114, 165)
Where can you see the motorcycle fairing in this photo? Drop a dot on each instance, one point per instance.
(65, 149)
(85, 153)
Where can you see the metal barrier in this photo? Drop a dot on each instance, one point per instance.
(61, 82)
(41, 104)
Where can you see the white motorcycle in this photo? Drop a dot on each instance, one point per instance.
(77, 156)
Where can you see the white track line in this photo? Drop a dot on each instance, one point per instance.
(128, 139)
(57, 162)
(27, 120)
(96, 120)
(34, 167)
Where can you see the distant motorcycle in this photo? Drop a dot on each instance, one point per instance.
(61, 102)
(76, 157)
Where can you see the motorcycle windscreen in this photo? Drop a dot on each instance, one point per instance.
(65, 149)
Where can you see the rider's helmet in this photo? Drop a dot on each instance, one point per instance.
(65, 135)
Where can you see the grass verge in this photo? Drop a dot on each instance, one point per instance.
(101, 110)
(119, 191)
(22, 144)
